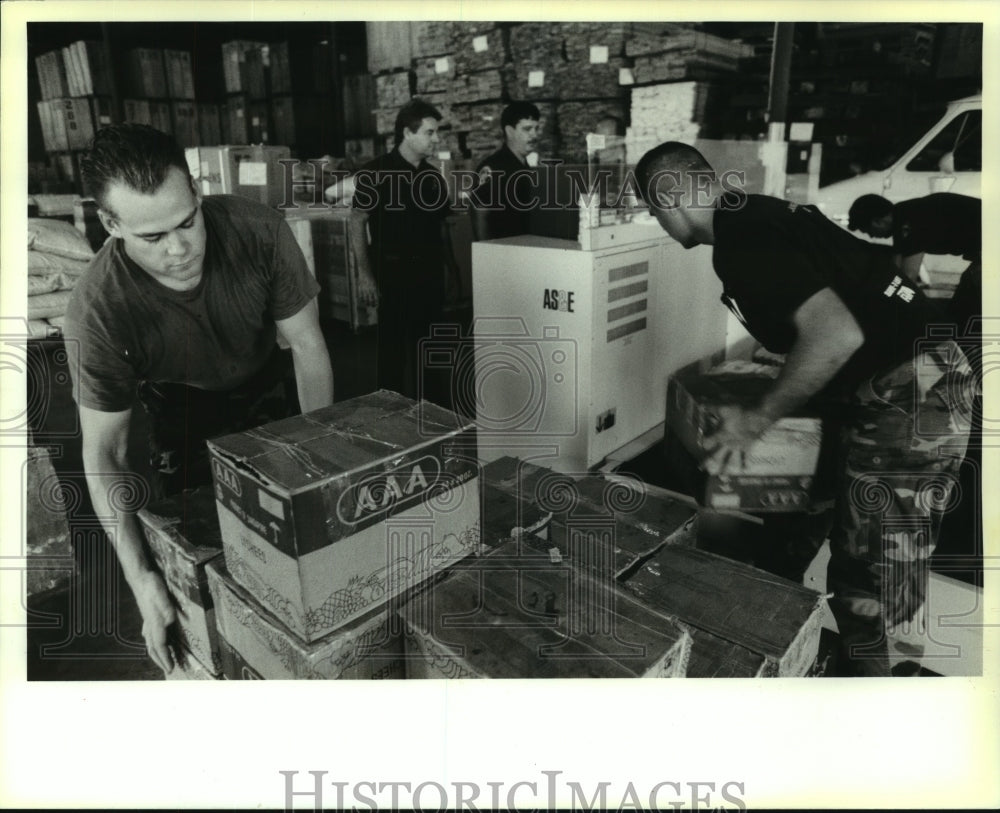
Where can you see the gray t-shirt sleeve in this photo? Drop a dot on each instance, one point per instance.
(292, 283)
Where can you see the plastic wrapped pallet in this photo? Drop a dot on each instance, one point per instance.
(526, 615)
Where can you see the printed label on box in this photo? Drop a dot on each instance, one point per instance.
(625, 76)
(441, 65)
(253, 173)
(480, 43)
(536, 79)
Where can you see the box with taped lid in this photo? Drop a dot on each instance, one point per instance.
(329, 514)
(521, 612)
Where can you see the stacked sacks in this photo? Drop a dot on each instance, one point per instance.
(57, 255)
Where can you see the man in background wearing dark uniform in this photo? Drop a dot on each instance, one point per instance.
(403, 201)
(854, 329)
(501, 202)
(181, 307)
(942, 223)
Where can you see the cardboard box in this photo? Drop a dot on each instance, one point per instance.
(233, 117)
(516, 613)
(234, 66)
(184, 121)
(369, 648)
(777, 472)
(188, 668)
(253, 172)
(330, 514)
(137, 110)
(606, 524)
(145, 74)
(48, 544)
(758, 611)
(183, 537)
(209, 125)
(180, 78)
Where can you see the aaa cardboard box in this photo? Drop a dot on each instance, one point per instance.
(517, 613)
(183, 536)
(328, 515)
(262, 647)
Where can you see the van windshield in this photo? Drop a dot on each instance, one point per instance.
(910, 135)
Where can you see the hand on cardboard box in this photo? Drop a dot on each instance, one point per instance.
(158, 614)
(738, 428)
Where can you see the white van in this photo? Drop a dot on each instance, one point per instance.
(948, 157)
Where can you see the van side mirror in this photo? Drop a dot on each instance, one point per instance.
(947, 163)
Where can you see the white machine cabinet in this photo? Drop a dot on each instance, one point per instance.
(573, 348)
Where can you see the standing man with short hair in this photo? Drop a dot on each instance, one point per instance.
(503, 200)
(855, 329)
(403, 201)
(182, 308)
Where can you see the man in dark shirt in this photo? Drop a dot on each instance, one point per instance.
(403, 201)
(503, 200)
(181, 307)
(854, 328)
(942, 223)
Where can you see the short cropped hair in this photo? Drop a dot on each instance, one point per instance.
(515, 112)
(672, 156)
(135, 155)
(867, 209)
(412, 114)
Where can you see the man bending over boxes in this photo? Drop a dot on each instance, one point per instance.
(857, 330)
(181, 307)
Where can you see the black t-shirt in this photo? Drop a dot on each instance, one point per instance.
(942, 223)
(772, 256)
(406, 208)
(507, 192)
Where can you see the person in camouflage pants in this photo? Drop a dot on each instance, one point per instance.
(901, 446)
(857, 334)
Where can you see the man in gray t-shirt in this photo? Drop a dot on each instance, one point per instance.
(183, 306)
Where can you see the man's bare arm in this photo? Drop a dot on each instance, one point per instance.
(105, 442)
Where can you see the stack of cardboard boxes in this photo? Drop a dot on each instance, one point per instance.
(365, 540)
